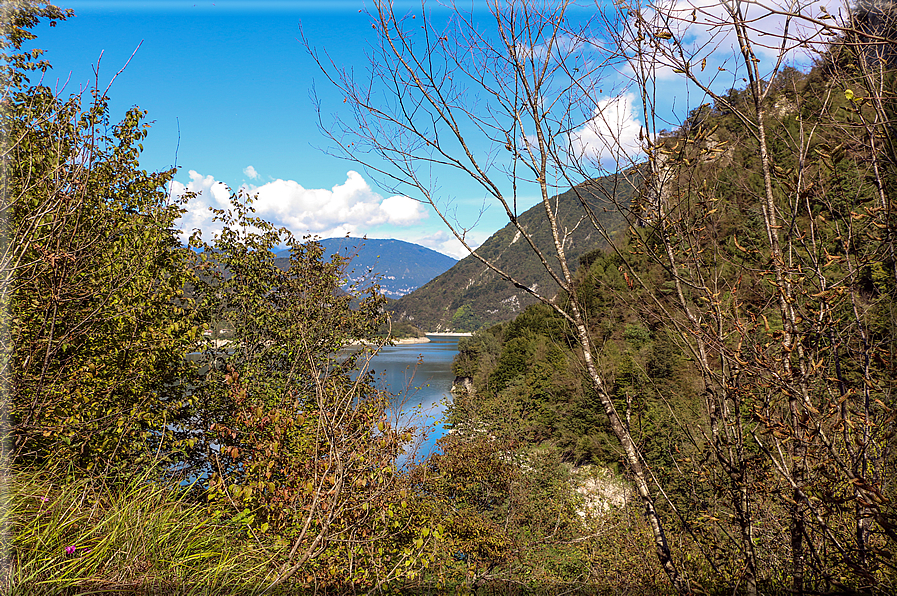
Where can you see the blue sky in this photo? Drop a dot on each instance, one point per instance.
(227, 88)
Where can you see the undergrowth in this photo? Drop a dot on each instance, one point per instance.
(70, 535)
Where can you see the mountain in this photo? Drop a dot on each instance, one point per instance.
(470, 295)
(399, 267)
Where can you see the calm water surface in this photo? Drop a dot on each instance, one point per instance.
(420, 378)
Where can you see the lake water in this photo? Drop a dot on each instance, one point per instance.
(420, 378)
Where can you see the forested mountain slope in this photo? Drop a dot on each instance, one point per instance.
(747, 335)
(470, 295)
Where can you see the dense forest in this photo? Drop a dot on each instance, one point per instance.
(703, 404)
(753, 363)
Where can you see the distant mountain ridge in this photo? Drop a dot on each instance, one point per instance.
(399, 267)
(470, 295)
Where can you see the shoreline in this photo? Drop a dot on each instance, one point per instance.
(449, 334)
(220, 343)
(411, 340)
(398, 342)
(405, 341)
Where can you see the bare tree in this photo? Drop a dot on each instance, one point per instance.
(508, 106)
(782, 326)
(774, 378)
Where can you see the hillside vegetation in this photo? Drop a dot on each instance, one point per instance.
(471, 295)
(753, 419)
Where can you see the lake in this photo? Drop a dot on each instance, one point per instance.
(420, 378)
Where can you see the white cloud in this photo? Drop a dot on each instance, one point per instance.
(344, 207)
(704, 27)
(612, 134)
(209, 194)
(348, 208)
(250, 171)
(446, 243)
(702, 30)
(402, 211)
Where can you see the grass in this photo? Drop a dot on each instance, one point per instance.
(75, 536)
(71, 536)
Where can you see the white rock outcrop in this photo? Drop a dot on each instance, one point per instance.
(601, 490)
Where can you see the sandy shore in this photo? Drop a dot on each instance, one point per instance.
(411, 340)
(398, 342)
(415, 340)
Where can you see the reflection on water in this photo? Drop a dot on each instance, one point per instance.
(420, 378)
